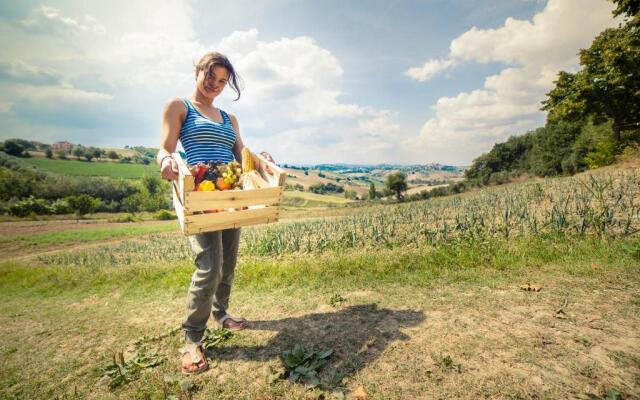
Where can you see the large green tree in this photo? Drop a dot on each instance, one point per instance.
(608, 85)
(628, 8)
(397, 183)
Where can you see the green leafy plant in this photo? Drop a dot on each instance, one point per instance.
(121, 372)
(303, 365)
(216, 337)
(175, 387)
(446, 363)
(337, 300)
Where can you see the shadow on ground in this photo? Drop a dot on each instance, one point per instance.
(357, 334)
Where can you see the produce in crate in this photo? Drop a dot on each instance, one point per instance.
(223, 176)
(206, 186)
(207, 211)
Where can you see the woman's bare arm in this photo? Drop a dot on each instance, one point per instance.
(172, 116)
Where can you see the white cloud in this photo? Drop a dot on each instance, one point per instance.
(60, 94)
(45, 17)
(533, 53)
(292, 104)
(125, 65)
(429, 69)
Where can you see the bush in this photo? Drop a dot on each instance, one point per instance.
(61, 206)
(14, 147)
(165, 215)
(604, 154)
(350, 194)
(30, 206)
(125, 218)
(83, 204)
(133, 203)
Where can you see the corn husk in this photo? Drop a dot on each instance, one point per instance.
(252, 180)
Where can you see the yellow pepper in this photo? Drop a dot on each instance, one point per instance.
(206, 186)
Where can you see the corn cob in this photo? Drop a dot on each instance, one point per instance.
(247, 160)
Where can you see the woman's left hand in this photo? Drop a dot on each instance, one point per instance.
(268, 157)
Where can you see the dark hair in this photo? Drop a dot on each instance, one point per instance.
(210, 60)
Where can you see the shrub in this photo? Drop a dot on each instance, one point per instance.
(604, 154)
(61, 206)
(125, 218)
(165, 215)
(30, 206)
(83, 204)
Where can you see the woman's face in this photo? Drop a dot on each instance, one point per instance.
(211, 84)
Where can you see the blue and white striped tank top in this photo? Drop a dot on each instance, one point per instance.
(206, 140)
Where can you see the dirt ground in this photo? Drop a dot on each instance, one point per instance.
(570, 340)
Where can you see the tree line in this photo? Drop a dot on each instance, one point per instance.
(26, 190)
(23, 148)
(593, 114)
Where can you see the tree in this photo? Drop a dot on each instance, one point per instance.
(78, 151)
(96, 151)
(152, 183)
(372, 191)
(629, 8)
(48, 153)
(83, 204)
(350, 194)
(113, 155)
(607, 86)
(62, 155)
(13, 147)
(397, 183)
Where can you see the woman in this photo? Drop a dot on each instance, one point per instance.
(206, 133)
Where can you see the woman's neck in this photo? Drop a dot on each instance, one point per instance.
(200, 98)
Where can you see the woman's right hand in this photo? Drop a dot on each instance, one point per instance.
(169, 169)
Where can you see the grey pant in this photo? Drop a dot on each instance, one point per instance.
(216, 255)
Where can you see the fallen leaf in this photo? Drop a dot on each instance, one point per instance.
(595, 266)
(359, 394)
(530, 288)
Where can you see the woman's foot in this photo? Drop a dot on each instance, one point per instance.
(233, 323)
(193, 359)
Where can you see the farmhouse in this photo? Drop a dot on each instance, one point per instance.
(64, 145)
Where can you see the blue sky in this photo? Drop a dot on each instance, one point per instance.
(331, 81)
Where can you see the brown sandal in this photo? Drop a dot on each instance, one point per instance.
(242, 323)
(198, 358)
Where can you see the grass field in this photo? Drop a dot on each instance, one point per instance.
(83, 168)
(415, 301)
(308, 199)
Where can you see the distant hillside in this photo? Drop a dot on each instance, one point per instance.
(368, 168)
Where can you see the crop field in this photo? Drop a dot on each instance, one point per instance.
(306, 199)
(527, 290)
(84, 168)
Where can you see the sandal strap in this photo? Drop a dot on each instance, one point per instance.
(192, 349)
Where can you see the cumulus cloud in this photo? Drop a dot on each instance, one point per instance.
(107, 84)
(429, 69)
(19, 71)
(292, 102)
(47, 18)
(533, 52)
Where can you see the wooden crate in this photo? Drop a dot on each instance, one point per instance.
(239, 207)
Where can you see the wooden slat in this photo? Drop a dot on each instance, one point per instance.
(179, 209)
(230, 219)
(186, 182)
(223, 199)
(279, 175)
